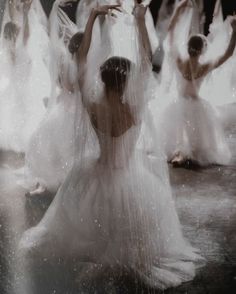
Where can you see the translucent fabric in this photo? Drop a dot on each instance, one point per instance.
(24, 70)
(195, 130)
(218, 41)
(50, 153)
(85, 6)
(115, 208)
(191, 125)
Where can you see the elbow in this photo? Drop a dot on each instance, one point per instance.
(229, 54)
(170, 28)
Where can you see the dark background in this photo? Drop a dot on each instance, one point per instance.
(229, 7)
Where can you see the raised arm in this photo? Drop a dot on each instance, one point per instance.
(11, 7)
(86, 42)
(83, 50)
(230, 49)
(139, 14)
(26, 8)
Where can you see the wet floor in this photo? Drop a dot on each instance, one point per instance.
(206, 203)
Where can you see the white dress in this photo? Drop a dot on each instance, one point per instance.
(218, 86)
(51, 149)
(21, 104)
(193, 127)
(115, 211)
(57, 140)
(13, 91)
(54, 145)
(38, 47)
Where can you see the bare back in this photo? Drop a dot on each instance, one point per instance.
(192, 70)
(111, 119)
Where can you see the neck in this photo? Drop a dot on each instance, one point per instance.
(113, 97)
(194, 59)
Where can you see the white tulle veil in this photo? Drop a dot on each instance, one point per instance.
(37, 6)
(218, 40)
(140, 90)
(61, 29)
(115, 207)
(141, 87)
(172, 49)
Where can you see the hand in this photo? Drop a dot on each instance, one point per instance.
(233, 24)
(139, 10)
(184, 3)
(27, 2)
(193, 3)
(64, 3)
(106, 9)
(26, 5)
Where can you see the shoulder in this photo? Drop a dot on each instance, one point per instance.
(205, 68)
(95, 108)
(181, 63)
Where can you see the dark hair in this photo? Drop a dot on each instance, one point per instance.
(114, 72)
(75, 42)
(195, 46)
(10, 30)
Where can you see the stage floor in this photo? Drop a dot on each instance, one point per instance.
(206, 203)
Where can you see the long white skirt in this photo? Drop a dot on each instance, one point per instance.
(14, 109)
(50, 154)
(54, 145)
(113, 217)
(193, 127)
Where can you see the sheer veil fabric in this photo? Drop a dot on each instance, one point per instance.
(115, 208)
(25, 71)
(195, 128)
(51, 151)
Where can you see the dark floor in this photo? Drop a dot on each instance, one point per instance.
(206, 203)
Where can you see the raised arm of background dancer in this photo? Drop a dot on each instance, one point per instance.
(11, 8)
(230, 49)
(139, 14)
(26, 8)
(217, 10)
